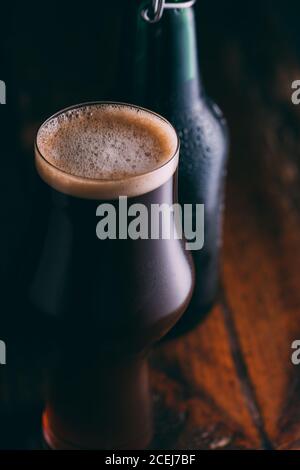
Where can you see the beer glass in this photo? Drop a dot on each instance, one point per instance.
(109, 299)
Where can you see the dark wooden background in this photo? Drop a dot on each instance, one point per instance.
(228, 384)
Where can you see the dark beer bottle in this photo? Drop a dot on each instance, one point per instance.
(167, 80)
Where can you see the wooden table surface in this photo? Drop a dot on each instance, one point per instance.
(230, 383)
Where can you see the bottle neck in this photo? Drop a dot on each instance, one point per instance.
(166, 68)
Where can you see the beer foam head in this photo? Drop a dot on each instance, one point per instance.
(112, 147)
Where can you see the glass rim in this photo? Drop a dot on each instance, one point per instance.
(44, 162)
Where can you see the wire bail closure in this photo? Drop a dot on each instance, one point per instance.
(154, 12)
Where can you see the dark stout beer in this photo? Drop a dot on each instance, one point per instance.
(111, 299)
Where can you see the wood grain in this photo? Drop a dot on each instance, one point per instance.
(195, 377)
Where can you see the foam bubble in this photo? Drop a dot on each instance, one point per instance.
(106, 141)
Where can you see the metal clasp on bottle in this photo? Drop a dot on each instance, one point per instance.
(154, 12)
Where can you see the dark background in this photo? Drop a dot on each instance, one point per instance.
(55, 54)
